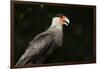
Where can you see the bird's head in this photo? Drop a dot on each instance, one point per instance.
(61, 19)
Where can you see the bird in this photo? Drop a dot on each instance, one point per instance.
(44, 44)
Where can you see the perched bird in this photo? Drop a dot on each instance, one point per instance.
(43, 45)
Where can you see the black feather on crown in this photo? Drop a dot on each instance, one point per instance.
(59, 15)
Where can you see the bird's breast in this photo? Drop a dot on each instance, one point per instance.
(57, 33)
(58, 37)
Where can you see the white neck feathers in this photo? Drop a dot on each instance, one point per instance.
(56, 24)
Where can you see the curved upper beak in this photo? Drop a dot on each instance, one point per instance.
(66, 21)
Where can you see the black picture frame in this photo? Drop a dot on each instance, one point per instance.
(82, 43)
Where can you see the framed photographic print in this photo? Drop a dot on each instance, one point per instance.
(49, 34)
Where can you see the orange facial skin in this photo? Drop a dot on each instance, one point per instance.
(62, 19)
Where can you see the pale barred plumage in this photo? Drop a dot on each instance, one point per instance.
(45, 43)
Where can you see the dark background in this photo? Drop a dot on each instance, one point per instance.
(78, 42)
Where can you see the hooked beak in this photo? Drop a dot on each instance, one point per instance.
(66, 21)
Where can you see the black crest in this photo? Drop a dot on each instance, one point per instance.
(59, 15)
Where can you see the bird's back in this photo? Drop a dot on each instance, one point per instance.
(36, 47)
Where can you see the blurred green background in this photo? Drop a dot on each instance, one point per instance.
(32, 19)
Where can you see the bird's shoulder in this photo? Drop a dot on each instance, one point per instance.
(42, 37)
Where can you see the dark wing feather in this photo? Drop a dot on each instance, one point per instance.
(40, 42)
